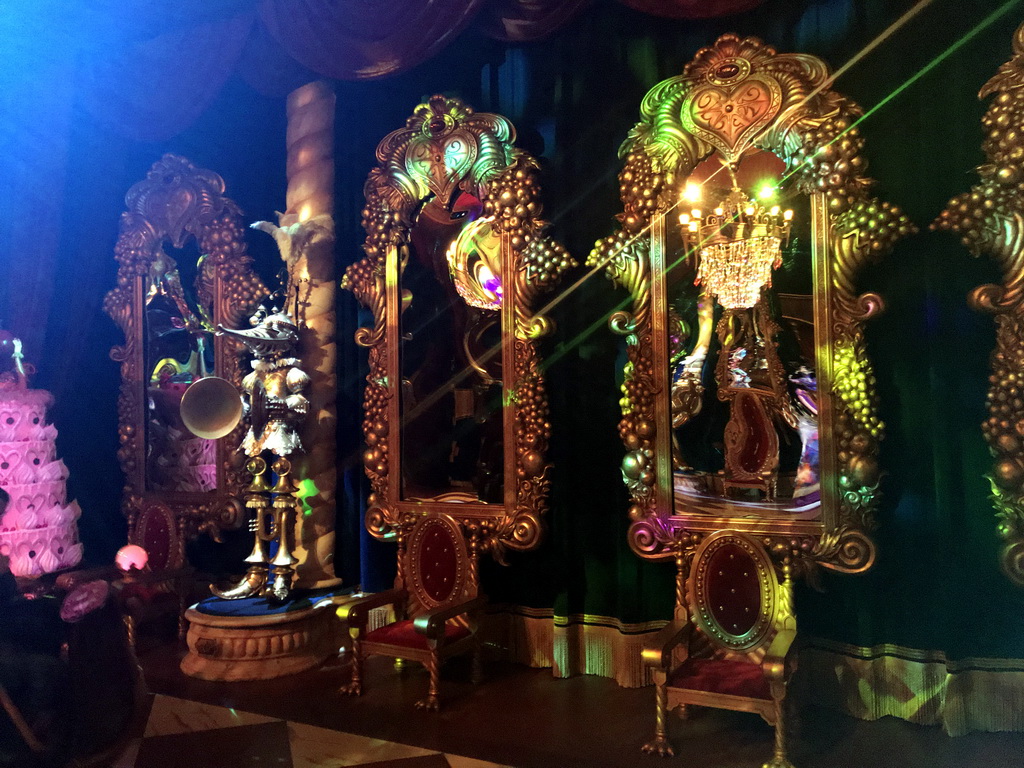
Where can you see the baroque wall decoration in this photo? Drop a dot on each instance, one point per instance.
(745, 106)
(455, 269)
(170, 343)
(990, 219)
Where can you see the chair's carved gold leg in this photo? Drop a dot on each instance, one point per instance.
(660, 744)
(779, 758)
(354, 687)
(432, 703)
(129, 626)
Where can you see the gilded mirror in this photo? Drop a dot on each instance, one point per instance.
(455, 269)
(182, 270)
(990, 219)
(749, 400)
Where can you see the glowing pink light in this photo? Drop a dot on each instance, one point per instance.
(131, 556)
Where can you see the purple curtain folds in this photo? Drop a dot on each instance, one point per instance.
(522, 21)
(691, 9)
(365, 39)
(154, 89)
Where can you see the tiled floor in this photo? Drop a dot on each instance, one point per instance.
(182, 733)
(518, 716)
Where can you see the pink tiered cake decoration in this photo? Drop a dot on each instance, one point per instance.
(38, 531)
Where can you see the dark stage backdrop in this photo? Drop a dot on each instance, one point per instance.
(573, 96)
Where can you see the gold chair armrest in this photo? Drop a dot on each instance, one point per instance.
(774, 663)
(356, 612)
(657, 651)
(431, 623)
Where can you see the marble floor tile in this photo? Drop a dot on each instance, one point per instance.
(314, 747)
(436, 760)
(170, 715)
(245, 746)
(457, 761)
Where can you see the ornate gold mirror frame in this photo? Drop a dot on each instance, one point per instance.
(736, 98)
(176, 203)
(446, 150)
(990, 219)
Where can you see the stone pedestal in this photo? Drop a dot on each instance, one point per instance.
(250, 639)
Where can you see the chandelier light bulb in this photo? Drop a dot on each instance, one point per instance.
(692, 192)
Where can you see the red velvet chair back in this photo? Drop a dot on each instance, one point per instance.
(437, 563)
(156, 531)
(733, 591)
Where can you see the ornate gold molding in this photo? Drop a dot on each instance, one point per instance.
(990, 219)
(174, 203)
(446, 147)
(737, 95)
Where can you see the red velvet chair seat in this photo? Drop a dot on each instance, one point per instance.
(736, 678)
(403, 633)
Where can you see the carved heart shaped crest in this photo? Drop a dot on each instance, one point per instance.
(440, 164)
(170, 207)
(729, 117)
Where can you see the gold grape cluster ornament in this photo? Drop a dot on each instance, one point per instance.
(990, 219)
(447, 150)
(175, 204)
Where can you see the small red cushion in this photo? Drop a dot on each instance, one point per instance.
(737, 678)
(403, 633)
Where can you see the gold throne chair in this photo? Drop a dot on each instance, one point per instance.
(732, 645)
(435, 604)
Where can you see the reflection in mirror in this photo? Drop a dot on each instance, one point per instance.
(742, 365)
(450, 335)
(179, 350)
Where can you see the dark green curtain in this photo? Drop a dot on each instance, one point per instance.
(573, 97)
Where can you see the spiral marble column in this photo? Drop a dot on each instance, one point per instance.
(310, 292)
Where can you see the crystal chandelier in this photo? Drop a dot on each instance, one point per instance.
(738, 244)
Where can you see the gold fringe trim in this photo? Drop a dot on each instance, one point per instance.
(579, 644)
(922, 687)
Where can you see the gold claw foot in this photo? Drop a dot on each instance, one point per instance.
(250, 585)
(352, 689)
(430, 704)
(660, 747)
(777, 762)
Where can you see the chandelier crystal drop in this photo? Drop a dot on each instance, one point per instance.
(738, 244)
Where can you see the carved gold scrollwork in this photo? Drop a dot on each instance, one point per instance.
(990, 219)
(446, 148)
(737, 95)
(175, 203)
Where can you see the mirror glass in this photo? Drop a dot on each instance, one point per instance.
(178, 351)
(739, 284)
(450, 355)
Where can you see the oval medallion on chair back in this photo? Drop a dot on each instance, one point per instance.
(732, 590)
(438, 560)
(156, 531)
